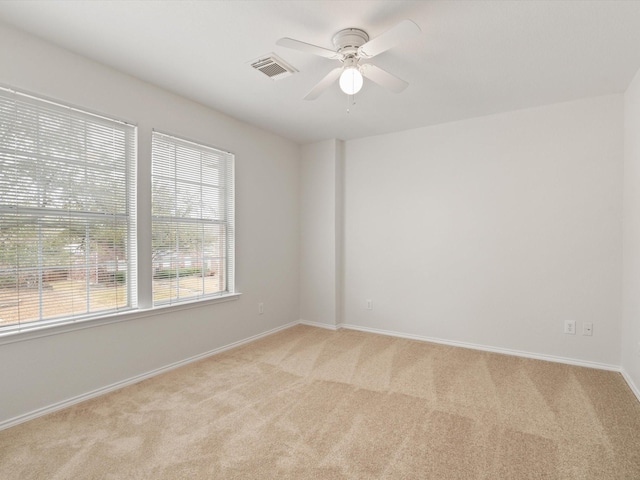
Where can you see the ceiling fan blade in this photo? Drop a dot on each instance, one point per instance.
(383, 78)
(392, 37)
(323, 84)
(308, 48)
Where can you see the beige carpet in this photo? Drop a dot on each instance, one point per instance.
(308, 403)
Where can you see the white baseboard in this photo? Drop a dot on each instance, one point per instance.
(518, 353)
(115, 386)
(634, 388)
(486, 348)
(130, 381)
(319, 325)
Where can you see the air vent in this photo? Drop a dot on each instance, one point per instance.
(273, 67)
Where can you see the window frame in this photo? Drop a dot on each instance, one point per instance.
(226, 182)
(43, 110)
(139, 176)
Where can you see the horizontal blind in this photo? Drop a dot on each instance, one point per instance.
(193, 220)
(66, 213)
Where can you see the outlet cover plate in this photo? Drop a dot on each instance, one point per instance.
(570, 327)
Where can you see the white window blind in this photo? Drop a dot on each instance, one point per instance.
(193, 214)
(67, 238)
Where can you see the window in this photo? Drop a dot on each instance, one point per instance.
(67, 216)
(193, 213)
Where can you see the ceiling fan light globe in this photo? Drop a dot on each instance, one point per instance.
(350, 81)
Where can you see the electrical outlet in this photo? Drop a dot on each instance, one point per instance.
(261, 308)
(369, 304)
(570, 327)
(587, 329)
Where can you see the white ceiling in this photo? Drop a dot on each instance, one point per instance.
(473, 58)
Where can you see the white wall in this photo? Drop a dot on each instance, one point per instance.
(41, 372)
(321, 232)
(492, 231)
(631, 284)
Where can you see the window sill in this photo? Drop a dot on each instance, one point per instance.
(37, 331)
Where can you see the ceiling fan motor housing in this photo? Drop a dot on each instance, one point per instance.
(348, 40)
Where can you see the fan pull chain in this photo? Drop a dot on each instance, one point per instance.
(350, 103)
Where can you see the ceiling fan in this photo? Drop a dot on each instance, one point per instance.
(352, 46)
